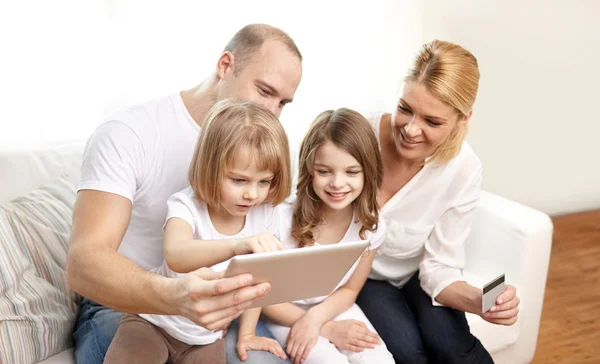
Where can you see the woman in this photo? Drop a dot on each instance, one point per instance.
(416, 297)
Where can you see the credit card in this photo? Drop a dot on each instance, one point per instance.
(491, 291)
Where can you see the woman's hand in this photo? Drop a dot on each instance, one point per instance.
(303, 337)
(506, 310)
(260, 243)
(350, 335)
(253, 342)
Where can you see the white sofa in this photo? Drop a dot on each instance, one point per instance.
(507, 238)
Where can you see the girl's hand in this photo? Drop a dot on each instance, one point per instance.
(252, 342)
(506, 310)
(302, 338)
(265, 242)
(350, 335)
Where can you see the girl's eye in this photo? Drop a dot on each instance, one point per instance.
(353, 173)
(265, 182)
(238, 180)
(322, 171)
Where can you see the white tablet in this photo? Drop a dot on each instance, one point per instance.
(297, 274)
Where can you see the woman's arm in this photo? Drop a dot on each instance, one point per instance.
(464, 297)
(461, 296)
(183, 254)
(441, 268)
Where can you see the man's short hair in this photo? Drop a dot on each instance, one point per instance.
(250, 38)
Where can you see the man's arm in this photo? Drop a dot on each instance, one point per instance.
(94, 267)
(97, 271)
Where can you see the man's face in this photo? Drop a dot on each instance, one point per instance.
(269, 78)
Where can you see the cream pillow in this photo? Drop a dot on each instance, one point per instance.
(37, 307)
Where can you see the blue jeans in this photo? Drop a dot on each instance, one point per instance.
(96, 326)
(414, 330)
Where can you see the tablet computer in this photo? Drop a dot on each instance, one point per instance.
(297, 274)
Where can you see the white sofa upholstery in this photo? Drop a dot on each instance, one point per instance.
(506, 238)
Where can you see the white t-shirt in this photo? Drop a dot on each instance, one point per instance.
(260, 219)
(142, 153)
(428, 221)
(376, 238)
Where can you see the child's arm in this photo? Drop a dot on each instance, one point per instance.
(317, 320)
(247, 339)
(183, 254)
(284, 314)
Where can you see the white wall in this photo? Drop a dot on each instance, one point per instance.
(73, 65)
(536, 123)
(153, 48)
(67, 64)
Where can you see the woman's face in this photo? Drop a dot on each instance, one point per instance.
(421, 122)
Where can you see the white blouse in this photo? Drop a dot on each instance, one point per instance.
(428, 221)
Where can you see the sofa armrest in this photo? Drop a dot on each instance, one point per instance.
(510, 238)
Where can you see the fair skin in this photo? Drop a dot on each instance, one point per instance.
(420, 123)
(243, 187)
(338, 180)
(96, 270)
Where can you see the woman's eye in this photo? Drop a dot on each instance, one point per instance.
(404, 110)
(433, 123)
(353, 173)
(322, 171)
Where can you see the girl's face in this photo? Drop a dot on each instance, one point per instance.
(244, 186)
(421, 122)
(338, 178)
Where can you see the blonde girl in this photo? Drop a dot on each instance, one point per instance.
(240, 170)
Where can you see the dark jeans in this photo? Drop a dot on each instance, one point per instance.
(414, 330)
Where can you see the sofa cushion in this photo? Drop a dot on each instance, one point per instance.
(37, 307)
(23, 169)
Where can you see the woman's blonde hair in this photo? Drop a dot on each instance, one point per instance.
(351, 132)
(451, 74)
(231, 128)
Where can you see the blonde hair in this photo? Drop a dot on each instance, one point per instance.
(232, 127)
(451, 74)
(351, 132)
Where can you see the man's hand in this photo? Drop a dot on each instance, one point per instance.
(350, 335)
(506, 310)
(211, 301)
(257, 244)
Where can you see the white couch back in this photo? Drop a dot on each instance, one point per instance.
(26, 168)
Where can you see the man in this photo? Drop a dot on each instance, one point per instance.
(131, 165)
